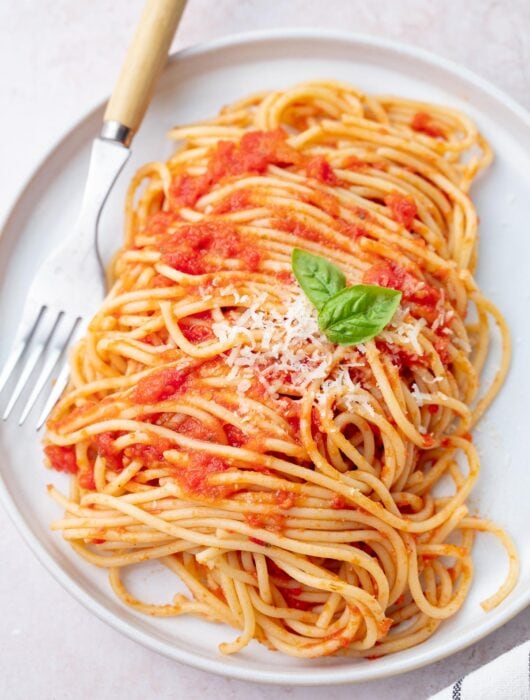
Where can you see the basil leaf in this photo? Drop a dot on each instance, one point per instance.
(358, 313)
(319, 278)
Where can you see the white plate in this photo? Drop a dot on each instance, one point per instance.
(196, 84)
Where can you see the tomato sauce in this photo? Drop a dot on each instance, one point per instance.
(400, 357)
(196, 328)
(292, 600)
(319, 169)
(151, 454)
(274, 522)
(276, 571)
(285, 499)
(86, 479)
(300, 230)
(339, 502)
(351, 230)
(389, 274)
(103, 442)
(161, 221)
(402, 208)
(324, 201)
(428, 441)
(235, 436)
(193, 428)
(441, 345)
(161, 385)
(62, 459)
(236, 201)
(252, 155)
(203, 247)
(195, 478)
(285, 277)
(423, 122)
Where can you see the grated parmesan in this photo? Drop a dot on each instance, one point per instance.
(354, 396)
(283, 345)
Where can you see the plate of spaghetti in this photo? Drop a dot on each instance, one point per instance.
(290, 449)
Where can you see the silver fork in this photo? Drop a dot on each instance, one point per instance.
(71, 282)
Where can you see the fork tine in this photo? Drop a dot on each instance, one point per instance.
(28, 368)
(58, 388)
(50, 363)
(11, 363)
(20, 346)
(46, 371)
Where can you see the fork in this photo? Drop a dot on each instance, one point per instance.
(71, 282)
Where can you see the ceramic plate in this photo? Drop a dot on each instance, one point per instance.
(196, 83)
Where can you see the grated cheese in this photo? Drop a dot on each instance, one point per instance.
(282, 345)
(404, 332)
(354, 396)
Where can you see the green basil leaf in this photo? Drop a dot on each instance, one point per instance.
(357, 314)
(319, 278)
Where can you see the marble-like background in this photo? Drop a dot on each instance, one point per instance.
(57, 61)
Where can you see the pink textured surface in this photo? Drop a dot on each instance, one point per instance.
(59, 60)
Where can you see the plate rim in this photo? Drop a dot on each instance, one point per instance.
(319, 677)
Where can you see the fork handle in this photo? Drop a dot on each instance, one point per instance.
(143, 64)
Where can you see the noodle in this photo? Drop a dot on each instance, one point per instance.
(311, 495)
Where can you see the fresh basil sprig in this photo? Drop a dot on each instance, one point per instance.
(347, 315)
(357, 314)
(319, 278)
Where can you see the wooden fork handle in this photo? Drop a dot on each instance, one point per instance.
(143, 64)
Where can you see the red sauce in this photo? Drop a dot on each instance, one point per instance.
(285, 499)
(235, 436)
(319, 169)
(274, 522)
(185, 189)
(428, 441)
(285, 277)
(339, 503)
(441, 345)
(389, 274)
(160, 222)
(400, 357)
(195, 478)
(203, 247)
(354, 163)
(422, 121)
(292, 600)
(195, 327)
(276, 571)
(160, 385)
(103, 442)
(433, 408)
(351, 230)
(62, 459)
(253, 154)
(257, 541)
(151, 454)
(402, 208)
(161, 281)
(325, 201)
(193, 428)
(86, 480)
(236, 201)
(297, 228)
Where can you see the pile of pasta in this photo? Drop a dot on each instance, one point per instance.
(310, 495)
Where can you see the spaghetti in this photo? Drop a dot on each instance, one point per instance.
(309, 494)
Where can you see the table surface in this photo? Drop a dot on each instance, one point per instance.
(58, 58)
